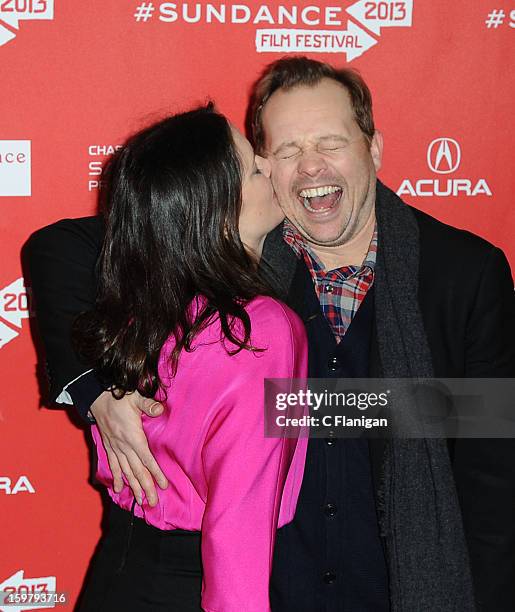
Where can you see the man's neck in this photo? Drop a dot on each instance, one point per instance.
(351, 253)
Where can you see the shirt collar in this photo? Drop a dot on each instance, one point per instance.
(301, 247)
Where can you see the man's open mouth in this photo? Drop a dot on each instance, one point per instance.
(320, 199)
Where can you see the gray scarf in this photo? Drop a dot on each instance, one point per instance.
(420, 515)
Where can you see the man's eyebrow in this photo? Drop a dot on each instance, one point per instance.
(285, 145)
(333, 137)
(324, 138)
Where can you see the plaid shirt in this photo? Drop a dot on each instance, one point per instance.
(339, 291)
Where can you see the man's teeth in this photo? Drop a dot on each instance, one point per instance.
(319, 191)
(310, 208)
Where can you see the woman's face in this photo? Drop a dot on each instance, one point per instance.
(260, 212)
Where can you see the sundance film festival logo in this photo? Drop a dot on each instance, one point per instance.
(292, 28)
(14, 307)
(19, 593)
(14, 11)
(444, 158)
(15, 168)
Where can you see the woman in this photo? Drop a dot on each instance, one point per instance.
(183, 315)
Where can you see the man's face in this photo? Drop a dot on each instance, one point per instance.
(323, 170)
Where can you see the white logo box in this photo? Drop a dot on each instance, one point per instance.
(15, 168)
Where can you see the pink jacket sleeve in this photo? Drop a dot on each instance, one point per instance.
(246, 474)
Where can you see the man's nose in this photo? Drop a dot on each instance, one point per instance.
(311, 163)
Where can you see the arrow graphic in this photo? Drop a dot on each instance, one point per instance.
(34, 585)
(6, 334)
(365, 41)
(13, 18)
(5, 35)
(353, 41)
(383, 14)
(12, 312)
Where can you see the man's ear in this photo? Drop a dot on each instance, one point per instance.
(376, 149)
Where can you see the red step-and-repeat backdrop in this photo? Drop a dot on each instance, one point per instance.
(78, 77)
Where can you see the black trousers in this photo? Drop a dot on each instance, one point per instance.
(139, 568)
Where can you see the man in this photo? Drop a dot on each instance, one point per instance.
(385, 291)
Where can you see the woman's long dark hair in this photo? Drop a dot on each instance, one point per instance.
(173, 199)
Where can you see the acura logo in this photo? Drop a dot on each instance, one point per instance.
(443, 155)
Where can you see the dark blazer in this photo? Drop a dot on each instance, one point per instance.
(62, 259)
(466, 299)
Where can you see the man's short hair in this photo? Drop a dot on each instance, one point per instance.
(290, 72)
